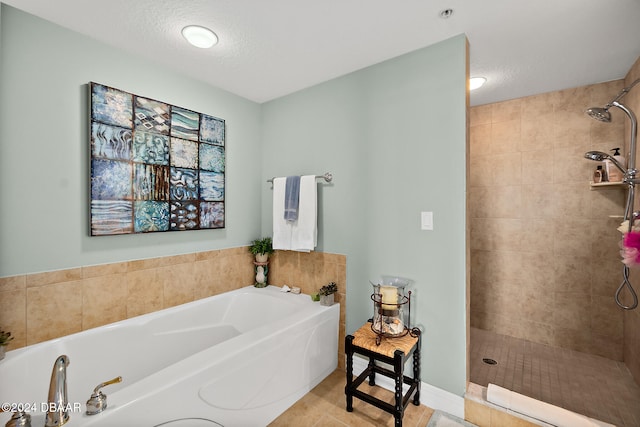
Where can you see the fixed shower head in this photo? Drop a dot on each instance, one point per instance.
(600, 114)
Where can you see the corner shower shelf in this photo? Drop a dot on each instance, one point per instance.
(606, 184)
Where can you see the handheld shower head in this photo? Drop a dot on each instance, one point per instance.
(599, 156)
(600, 114)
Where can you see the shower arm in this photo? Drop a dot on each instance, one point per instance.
(622, 93)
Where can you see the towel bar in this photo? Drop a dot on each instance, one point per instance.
(328, 177)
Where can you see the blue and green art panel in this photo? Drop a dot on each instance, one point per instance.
(154, 166)
(184, 124)
(212, 158)
(211, 214)
(211, 186)
(185, 215)
(212, 130)
(152, 116)
(150, 215)
(110, 142)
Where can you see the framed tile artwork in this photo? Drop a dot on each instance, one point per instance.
(154, 166)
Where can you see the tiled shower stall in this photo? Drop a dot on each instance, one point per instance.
(545, 260)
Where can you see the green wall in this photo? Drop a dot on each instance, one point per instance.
(394, 136)
(44, 168)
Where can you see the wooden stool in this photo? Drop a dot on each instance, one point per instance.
(393, 351)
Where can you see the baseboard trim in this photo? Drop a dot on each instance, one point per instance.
(431, 396)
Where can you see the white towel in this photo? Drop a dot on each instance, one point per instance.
(281, 229)
(304, 235)
(300, 235)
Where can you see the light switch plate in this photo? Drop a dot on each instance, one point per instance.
(427, 221)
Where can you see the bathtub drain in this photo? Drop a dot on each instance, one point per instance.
(489, 361)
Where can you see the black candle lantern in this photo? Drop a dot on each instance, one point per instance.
(391, 308)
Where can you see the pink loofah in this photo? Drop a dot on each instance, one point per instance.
(631, 249)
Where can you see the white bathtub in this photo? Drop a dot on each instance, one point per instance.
(236, 359)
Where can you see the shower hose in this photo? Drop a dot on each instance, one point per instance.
(625, 282)
(631, 217)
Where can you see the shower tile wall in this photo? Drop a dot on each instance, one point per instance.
(632, 318)
(544, 251)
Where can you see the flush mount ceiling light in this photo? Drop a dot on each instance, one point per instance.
(476, 82)
(199, 36)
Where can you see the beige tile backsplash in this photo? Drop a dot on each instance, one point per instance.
(42, 306)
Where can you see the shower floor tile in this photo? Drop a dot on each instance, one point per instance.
(590, 385)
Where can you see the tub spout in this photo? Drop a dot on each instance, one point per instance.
(57, 411)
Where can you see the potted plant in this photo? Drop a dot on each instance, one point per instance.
(326, 293)
(261, 248)
(5, 338)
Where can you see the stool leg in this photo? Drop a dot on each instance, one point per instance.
(348, 345)
(416, 374)
(398, 369)
(372, 373)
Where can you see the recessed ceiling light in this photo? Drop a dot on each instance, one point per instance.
(476, 82)
(199, 36)
(445, 14)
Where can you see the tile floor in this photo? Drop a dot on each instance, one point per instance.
(591, 385)
(325, 405)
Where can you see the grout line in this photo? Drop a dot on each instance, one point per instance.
(334, 419)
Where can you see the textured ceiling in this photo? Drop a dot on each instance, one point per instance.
(272, 48)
